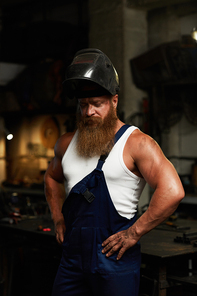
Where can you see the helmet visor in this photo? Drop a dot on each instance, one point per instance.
(86, 58)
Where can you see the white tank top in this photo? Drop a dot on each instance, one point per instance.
(124, 187)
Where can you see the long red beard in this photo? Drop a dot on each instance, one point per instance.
(96, 135)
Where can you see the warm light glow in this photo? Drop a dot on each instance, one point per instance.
(194, 33)
(10, 137)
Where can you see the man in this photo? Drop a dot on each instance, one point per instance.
(96, 224)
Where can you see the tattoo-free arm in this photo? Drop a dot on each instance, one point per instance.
(55, 196)
(168, 192)
(54, 187)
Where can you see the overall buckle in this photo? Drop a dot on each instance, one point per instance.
(89, 196)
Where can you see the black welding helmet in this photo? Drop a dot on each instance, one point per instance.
(91, 66)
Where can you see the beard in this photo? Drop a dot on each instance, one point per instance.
(96, 135)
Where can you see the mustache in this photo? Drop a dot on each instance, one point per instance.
(88, 120)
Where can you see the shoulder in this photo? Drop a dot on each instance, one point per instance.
(140, 142)
(144, 150)
(63, 143)
(140, 151)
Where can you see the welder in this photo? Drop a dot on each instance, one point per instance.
(94, 183)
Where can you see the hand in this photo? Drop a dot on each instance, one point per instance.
(120, 241)
(60, 229)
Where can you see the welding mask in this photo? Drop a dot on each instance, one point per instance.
(91, 66)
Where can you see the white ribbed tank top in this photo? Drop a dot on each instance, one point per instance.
(124, 187)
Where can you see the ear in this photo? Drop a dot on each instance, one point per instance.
(115, 101)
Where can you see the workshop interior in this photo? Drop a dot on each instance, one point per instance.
(153, 46)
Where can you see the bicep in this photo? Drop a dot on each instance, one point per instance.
(54, 171)
(156, 169)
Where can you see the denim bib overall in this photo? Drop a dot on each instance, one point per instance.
(90, 218)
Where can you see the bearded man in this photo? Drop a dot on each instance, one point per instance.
(105, 165)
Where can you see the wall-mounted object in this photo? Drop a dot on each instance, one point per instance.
(49, 132)
(166, 63)
(194, 33)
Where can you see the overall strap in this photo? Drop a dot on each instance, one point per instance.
(89, 196)
(119, 133)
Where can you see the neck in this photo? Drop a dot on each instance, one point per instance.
(119, 124)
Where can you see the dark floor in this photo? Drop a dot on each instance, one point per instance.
(148, 289)
(34, 271)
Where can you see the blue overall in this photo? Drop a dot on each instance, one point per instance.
(90, 218)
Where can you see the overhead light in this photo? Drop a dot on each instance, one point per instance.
(9, 71)
(194, 33)
(9, 136)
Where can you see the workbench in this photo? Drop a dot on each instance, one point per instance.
(29, 257)
(165, 263)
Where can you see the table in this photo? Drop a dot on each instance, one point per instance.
(167, 261)
(162, 258)
(29, 258)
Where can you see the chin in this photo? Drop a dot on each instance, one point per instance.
(93, 125)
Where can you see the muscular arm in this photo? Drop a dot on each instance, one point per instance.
(168, 192)
(54, 187)
(55, 195)
(161, 175)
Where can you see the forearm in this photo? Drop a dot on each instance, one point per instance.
(160, 208)
(55, 196)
